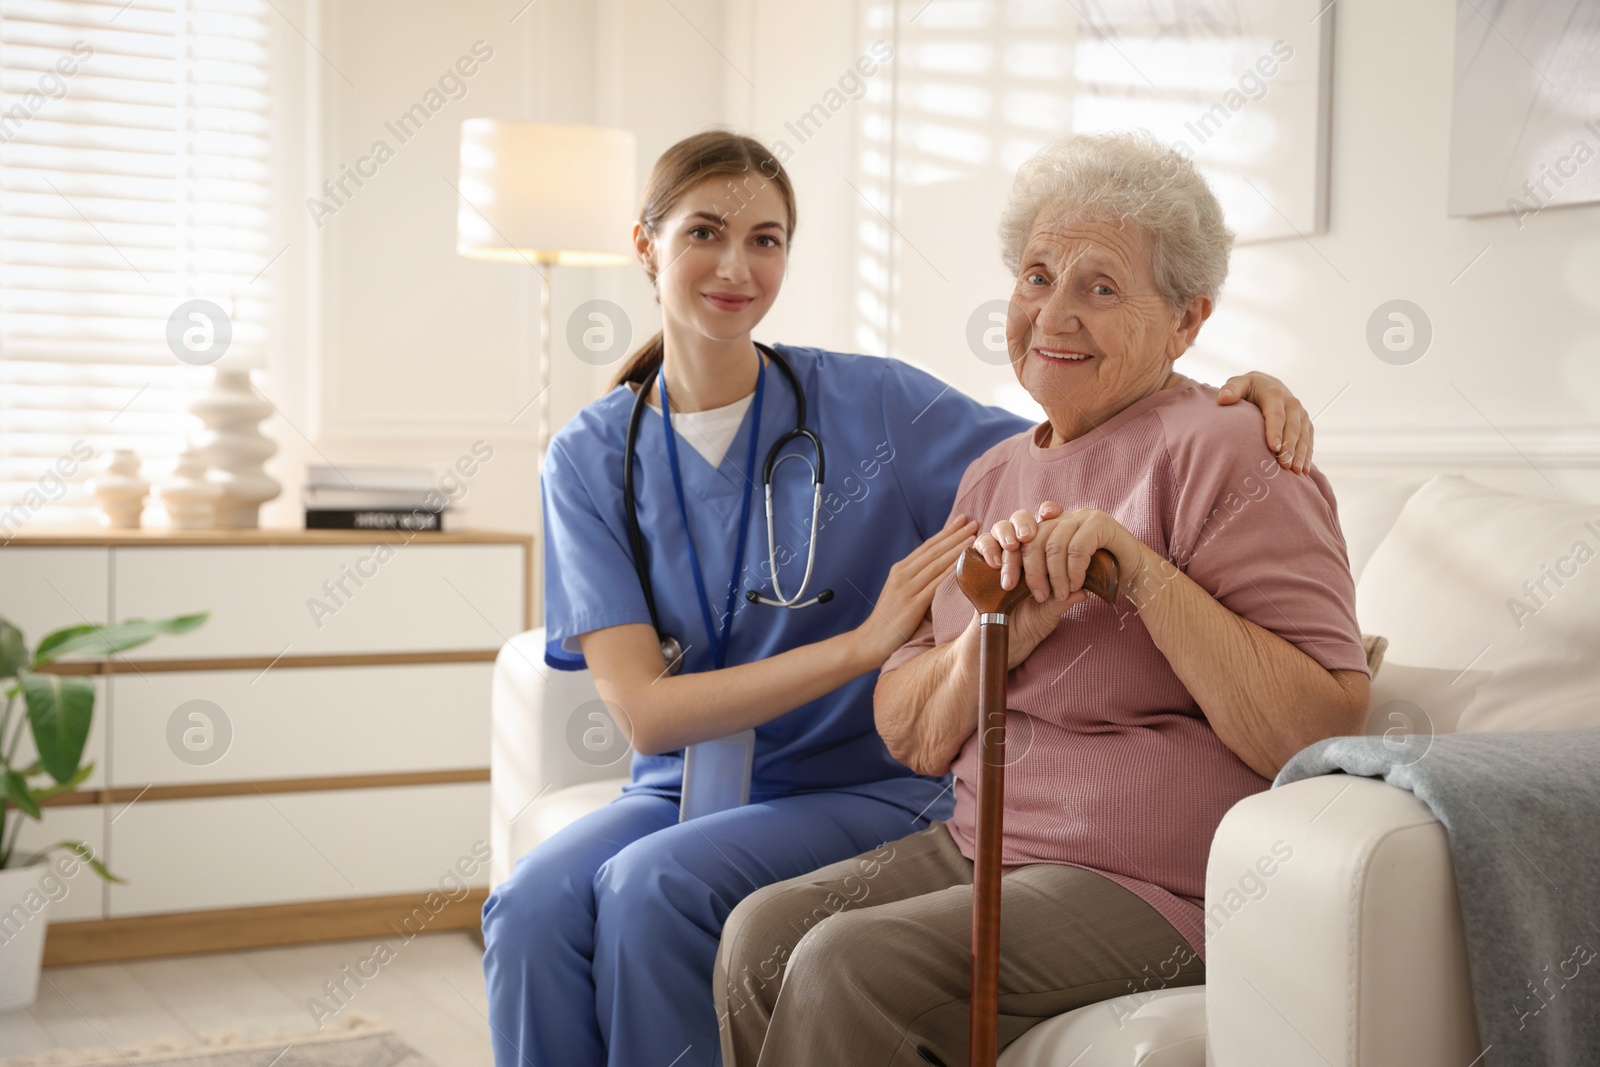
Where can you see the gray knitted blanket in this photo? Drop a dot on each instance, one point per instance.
(1522, 811)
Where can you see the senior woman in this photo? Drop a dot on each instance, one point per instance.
(1133, 727)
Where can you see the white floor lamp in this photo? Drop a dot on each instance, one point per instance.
(545, 195)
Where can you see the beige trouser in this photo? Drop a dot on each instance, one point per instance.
(867, 961)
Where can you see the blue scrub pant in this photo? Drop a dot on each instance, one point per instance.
(599, 948)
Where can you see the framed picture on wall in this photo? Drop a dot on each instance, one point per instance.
(1240, 86)
(1525, 116)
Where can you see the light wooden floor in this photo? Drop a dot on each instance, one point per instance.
(430, 993)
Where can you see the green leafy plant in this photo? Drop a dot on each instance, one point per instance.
(58, 709)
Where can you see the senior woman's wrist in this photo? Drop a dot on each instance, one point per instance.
(1152, 589)
(949, 720)
(943, 720)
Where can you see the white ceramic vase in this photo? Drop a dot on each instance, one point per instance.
(188, 497)
(119, 491)
(236, 449)
(27, 910)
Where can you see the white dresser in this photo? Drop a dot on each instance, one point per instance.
(311, 763)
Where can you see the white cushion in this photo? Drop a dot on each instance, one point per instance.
(536, 711)
(554, 811)
(1368, 504)
(1474, 644)
(1161, 1028)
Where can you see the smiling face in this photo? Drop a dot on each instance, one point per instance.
(1089, 331)
(718, 256)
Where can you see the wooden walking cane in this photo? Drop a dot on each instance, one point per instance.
(981, 584)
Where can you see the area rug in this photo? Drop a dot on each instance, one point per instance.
(358, 1042)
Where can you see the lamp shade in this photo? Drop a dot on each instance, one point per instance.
(546, 192)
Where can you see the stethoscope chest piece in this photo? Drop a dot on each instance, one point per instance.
(672, 652)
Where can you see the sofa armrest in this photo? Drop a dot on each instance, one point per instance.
(1334, 932)
(531, 708)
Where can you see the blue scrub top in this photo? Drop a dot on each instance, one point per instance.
(897, 442)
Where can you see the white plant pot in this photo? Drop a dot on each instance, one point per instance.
(24, 912)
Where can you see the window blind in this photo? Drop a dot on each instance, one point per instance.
(136, 174)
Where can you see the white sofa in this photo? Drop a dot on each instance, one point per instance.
(1351, 950)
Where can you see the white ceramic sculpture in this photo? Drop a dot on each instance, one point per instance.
(189, 499)
(236, 449)
(119, 491)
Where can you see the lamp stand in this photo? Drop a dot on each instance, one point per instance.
(546, 361)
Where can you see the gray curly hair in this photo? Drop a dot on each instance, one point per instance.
(1131, 176)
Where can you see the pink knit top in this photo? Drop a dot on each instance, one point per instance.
(1111, 765)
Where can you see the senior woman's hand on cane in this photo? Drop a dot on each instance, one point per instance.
(1050, 552)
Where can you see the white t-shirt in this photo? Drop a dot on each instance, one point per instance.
(711, 431)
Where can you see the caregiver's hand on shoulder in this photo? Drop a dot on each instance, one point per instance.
(908, 591)
(1289, 429)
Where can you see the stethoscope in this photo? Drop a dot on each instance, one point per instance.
(671, 649)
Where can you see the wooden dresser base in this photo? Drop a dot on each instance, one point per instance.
(223, 930)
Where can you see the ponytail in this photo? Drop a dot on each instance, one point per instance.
(641, 364)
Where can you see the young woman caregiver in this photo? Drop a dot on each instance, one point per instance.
(599, 947)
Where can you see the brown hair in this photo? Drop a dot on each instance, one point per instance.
(708, 154)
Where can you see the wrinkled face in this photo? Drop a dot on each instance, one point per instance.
(719, 256)
(1088, 331)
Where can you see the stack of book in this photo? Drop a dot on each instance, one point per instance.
(355, 497)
